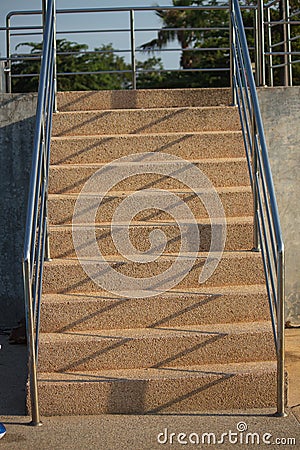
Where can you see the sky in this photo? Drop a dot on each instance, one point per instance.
(101, 22)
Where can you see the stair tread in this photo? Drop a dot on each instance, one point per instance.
(213, 161)
(123, 193)
(167, 256)
(159, 373)
(145, 135)
(158, 332)
(213, 290)
(137, 110)
(144, 223)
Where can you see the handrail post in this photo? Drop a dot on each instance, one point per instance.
(261, 44)
(54, 57)
(256, 242)
(271, 76)
(286, 43)
(35, 414)
(132, 41)
(280, 337)
(44, 12)
(232, 60)
(8, 55)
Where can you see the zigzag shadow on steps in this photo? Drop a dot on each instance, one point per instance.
(101, 114)
(120, 302)
(120, 342)
(106, 140)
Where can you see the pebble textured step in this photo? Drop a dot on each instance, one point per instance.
(189, 347)
(156, 391)
(236, 201)
(106, 311)
(239, 236)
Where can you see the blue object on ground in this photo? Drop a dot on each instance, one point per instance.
(2, 430)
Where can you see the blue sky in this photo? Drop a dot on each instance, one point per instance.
(94, 21)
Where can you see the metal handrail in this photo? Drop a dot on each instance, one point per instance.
(132, 30)
(268, 236)
(36, 245)
(286, 24)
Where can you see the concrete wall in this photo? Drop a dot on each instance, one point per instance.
(17, 119)
(280, 108)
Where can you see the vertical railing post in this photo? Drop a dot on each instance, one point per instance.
(44, 12)
(281, 398)
(232, 59)
(271, 77)
(132, 41)
(256, 51)
(54, 56)
(35, 414)
(286, 43)
(261, 44)
(256, 242)
(8, 56)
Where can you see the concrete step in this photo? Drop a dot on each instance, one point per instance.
(221, 172)
(142, 98)
(239, 236)
(237, 201)
(139, 121)
(155, 347)
(102, 149)
(141, 391)
(235, 268)
(176, 308)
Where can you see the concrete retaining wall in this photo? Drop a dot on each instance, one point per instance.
(17, 120)
(280, 108)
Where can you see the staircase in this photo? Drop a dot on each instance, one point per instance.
(195, 347)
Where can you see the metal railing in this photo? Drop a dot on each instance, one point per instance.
(133, 31)
(279, 40)
(36, 244)
(267, 235)
(267, 230)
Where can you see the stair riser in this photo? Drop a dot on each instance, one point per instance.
(97, 150)
(213, 392)
(145, 121)
(154, 98)
(92, 313)
(225, 173)
(235, 204)
(239, 237)
(69, 276)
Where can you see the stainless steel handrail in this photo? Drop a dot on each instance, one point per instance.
(132, 30)
(36, 245)
(286, 25)
(268, 236)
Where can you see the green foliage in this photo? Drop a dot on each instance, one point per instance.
(193, 42)
(103, 61)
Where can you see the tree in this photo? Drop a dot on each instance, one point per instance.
(194, 43)
(104, 59)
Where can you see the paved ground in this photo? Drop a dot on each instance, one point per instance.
(116, 432)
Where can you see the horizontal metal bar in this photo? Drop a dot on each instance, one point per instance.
(277, 66)
(31, 27)
(282, 22)
(282, 53)
(273, 2)
(213, 69)
(128, 9)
